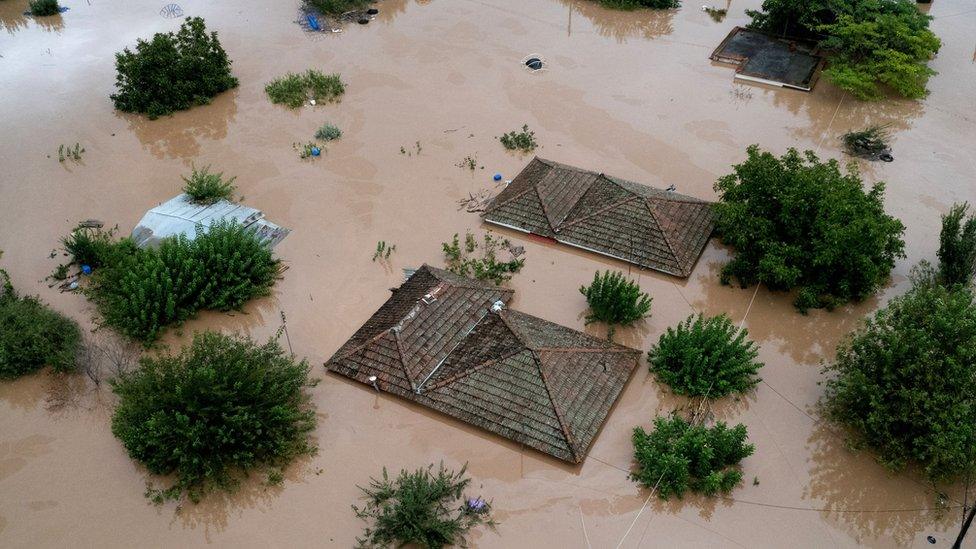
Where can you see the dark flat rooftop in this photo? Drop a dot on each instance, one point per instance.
(768, 59)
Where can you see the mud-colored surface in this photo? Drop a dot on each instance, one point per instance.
(632, 94)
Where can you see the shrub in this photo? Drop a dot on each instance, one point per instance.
(519, 140)
(204, 187)
(42, 8)
(615, 300)
(706, 357)
(796, 222)
(638, 4)
(336, 8)
(677, 456)
(870, 142)
(292, 90)
(328, 132)
(32, 335)
(96, 248)
(904, 384)
(172, 72)
(487, 267)
(150, 288)
(424, 507)
(224, 405)
(957, 246)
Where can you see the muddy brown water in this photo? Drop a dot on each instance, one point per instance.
(631, 94)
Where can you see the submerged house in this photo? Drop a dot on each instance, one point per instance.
(181, 215)
(449, 343)
(760, 57)
(651, 228)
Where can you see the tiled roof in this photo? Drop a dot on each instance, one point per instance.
(648, 227)
(438, 342)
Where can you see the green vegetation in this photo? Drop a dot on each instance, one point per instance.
(468, 162)
(172, 72)
(140, 291)
(43, 8)
(383, 250)
(487, 267)
(292, 90)
(904, 384)
(677, 456)
(707, 357)
(204, 187)
(798, 223)
(336, 8)
(307, 149)
(870, 142)
(874, 44)
(639, 4)
(222, 407)
(425, 508)
(519, 140)
(615, 300)
(957, 246)
(328, 132)
(67, 152)
(33, 335)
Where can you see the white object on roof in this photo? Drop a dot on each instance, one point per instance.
(180, 215)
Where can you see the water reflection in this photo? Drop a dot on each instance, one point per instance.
(12, 17)
(620, 24)
(179, 135)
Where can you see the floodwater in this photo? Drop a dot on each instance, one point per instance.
(631, 94)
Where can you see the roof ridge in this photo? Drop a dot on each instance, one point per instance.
(503, 315)
(563, 425)
(403, 362)
(666, 236)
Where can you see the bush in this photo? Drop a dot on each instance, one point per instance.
(172, 72)
(149, 288)
(292, 90)
(336, 8)
(223, 406)
(870, 142)
(519, 140)
(957, 246)
(798, 223)
(487, 267)
(42, 8)
(677, 456)
(328, 132)
(425, 508)
(638, 4)
(706, 357)
(904, 384)
(95, 247)
(32, 335)
(615, 300)
(204, 187)
(873, 44)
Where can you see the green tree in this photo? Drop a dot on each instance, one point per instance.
(904, 382)
(798, 223)
(223, 406)
(706, 357)
(957, 246)
(639, 4)
(615, 300)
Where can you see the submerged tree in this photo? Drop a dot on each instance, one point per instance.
(798, 223)
(615, 300)
(957, 246)
(462, 260)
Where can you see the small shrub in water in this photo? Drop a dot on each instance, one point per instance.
(383, 250)
(336, 8)
(204, 187)
(425, 507)
(871, 142)
(43, 8)
(95, 247)
(67, 152)
(957, 246)
(519, 140)
(487, 267)
(328, 132)
(677, 456)
(172, 72)
(638, 4)
(292, 90)
(223, 406)
(706, 357)
(615, 300)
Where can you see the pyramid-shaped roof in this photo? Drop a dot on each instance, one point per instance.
(445, 342)
(651, 228)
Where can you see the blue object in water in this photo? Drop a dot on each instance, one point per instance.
(313, 22)
(316, 151)
(86, 269)
(497, 177)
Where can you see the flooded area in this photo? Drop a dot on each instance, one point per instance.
(630, 94)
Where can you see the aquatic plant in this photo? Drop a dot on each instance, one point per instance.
(615, 300)
(383, 250)
(424, 507)
(903, 382)
(707, 357)
(204, 187)
(870, 142)
(222, 407)
(639, 4)
(172, 72)
(677, 456)
(798, 223)
(43, 8)
(957, 246)
(487, 267)
(292, 90)
(33, 335)
(519, 140)
(328, 132)
(336, 8)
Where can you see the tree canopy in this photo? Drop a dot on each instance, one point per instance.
(798, 223)
(957, 246)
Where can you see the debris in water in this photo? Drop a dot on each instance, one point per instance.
(497, 177)
(476, 202)
(91, 224)
(534, 63)
(171, 11)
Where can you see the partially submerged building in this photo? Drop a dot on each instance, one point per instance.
(767, 59)
(651, 228)
(180, 215)
(450, 343)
